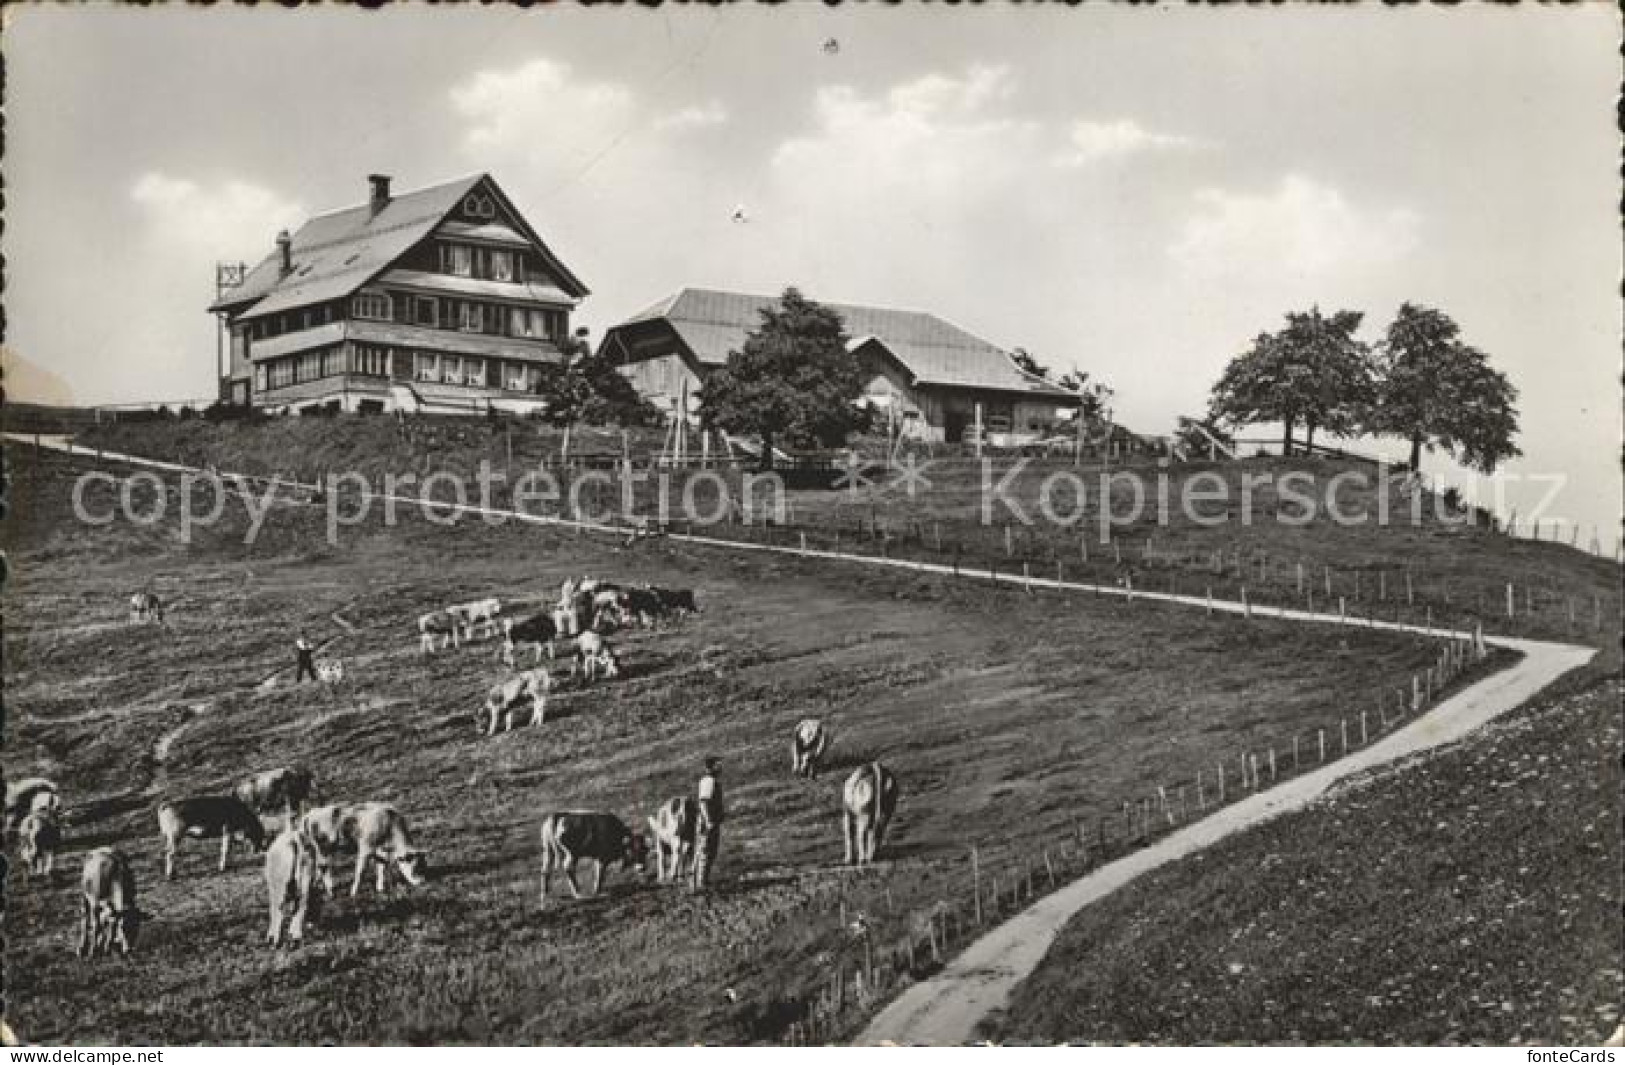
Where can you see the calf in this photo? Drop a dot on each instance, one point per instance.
(441, 623)
(108, 911)
(284, 790)
(290, 880)
(672, 830)
(37, 841)
(567, 838)
(146, 606)
(30, 795)
(376, 832)
(204, 817)
(481, 614)
(807, 746)
(594, 656)
(536, 633)
(869, 800)
(532, 685)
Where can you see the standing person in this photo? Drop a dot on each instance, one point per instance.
(304, 659)
(707, 823)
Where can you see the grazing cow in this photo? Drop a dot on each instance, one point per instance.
(108, 913)
(481, 614)
(205, 817)
(594, 656)
(530, 686)
(146, 606)
(566, 620)
(284, 790)
(30, 795)
(376, 832)
(607, 615)
(37, 841)
(536, 633)
(869, 801)
(441, 623)
(807, 746)
(676, 600)
(641, 605)
(672, 830)
(290, 879)
(330, 671)
(567, 838)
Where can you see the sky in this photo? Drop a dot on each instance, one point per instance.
(1131, 191)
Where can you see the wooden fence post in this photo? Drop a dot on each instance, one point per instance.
(976, 883)
(1320, 737)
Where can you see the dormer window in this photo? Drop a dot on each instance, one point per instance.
(371, 305)
(477, 205)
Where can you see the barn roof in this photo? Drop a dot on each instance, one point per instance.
(713, 323)
(336, 253)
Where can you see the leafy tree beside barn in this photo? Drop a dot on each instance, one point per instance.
(793, 383)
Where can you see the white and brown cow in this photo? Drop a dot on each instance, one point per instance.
(38, 839)
(537, 633)
(108, 914)
(205, 817)
(146, 606)
(30, 795)
(530, 687)
(572, 836)
(594, 656)
(477, 618)
(284, 790)
(375, 832)
(807, 746)
(868, 802)
(292, 884)
(672, 831)
(442, 625)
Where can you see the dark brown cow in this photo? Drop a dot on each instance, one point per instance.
(569, 837)
(284, 790)
(205, 817)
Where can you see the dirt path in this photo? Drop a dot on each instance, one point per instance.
(946, 1009)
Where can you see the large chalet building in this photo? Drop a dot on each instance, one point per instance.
(439, 300)
(931, 379)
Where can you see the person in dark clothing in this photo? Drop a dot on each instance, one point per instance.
(305, 660)
(708, 824)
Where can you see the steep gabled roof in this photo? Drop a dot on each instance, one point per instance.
(933, 351)
(335, 254)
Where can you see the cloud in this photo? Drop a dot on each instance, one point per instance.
(1301, 229)
(1097, 142)
(694, 117)
(186, 218)
(542, 114)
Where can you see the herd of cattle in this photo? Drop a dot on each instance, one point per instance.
(299, 860)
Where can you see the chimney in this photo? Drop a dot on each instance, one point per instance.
(380, 191)
(284, 244)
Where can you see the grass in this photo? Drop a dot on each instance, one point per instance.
(1010, 719)
(1472, 896)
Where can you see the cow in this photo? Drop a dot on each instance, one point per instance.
(481, 614)
(536, 633)
(30, 795)
(108, 911)
(330, 671)
(290, 880)
(594, 656)
(532, 685)
(441, 623)
(672, 831)
(868, 802)
(146, 606)
(605, 611)
(641, 605)
(204, 817)
(807, 746)
(284, 790)
(570, 837)
(37, 841)
(677, 600)
(566, 620)
(376, 832)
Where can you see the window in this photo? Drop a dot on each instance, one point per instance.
(451, 369)
(262, 380)
(282, 373)
(457, 259)
(474, 372)
(426, 366)
(310, 366)
(501, 265)
(371, 305)
(534, 323)
(478, 206)
(426, 310)
(332, 362)
(372, 360)
(470, 317)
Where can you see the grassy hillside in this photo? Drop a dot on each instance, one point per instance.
(1010, 718)
(1470, 897)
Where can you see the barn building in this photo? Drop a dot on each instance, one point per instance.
(931, 379)
(442, 300)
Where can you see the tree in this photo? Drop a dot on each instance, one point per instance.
(1093, 395)
(1438, 392)
(793, 382)
(586, 387)
(1314, 371)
